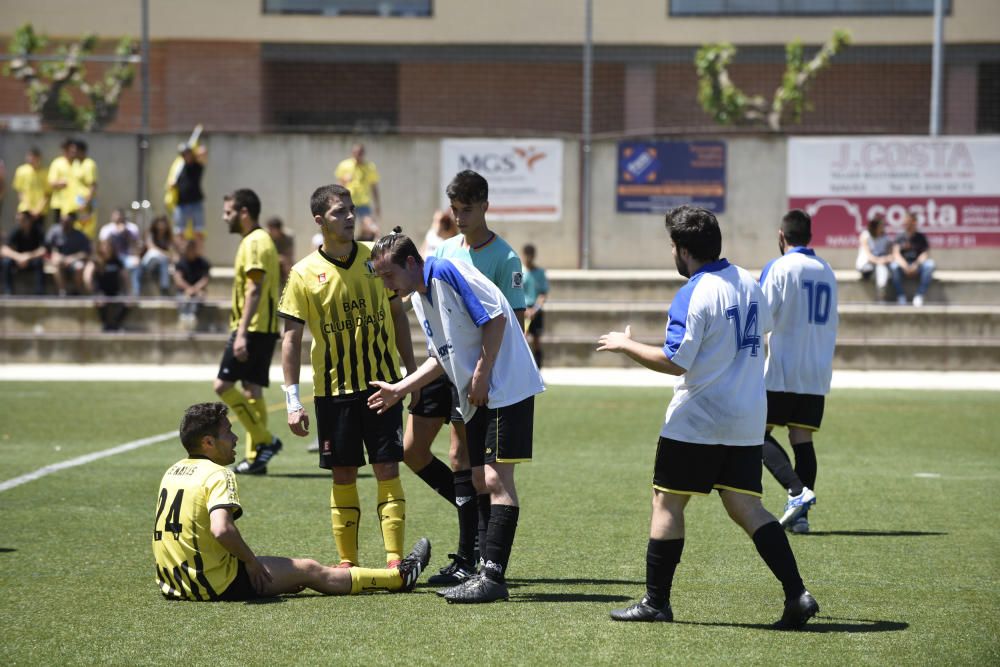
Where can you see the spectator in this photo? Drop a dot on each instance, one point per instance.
(24, 250)
(63, 199)
(536, 291)
(185, 177)
(285, 243)
(106, 277)
(158, 246)
(126, 240)
(191, 276)
(442, 228)
(361, 178)
(69, 250)
(84, 186)
(911, 259)
(875, 255)
(31, 185)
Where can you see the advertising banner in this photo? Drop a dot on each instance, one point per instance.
(656, 176)
(525, 175)
(950, 184)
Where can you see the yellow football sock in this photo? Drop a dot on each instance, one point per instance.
(365, 579)
(259, 407)
(345, 512)
(392, 516)
(257, 433)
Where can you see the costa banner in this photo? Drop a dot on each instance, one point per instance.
(950, 184)
(525, 175)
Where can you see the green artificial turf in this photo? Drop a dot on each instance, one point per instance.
(904, 557)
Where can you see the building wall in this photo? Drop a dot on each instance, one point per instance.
(284, 169)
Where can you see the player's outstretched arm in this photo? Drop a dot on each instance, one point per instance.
(225, 531)
(291, 363)
(651, 357)
(390, 394)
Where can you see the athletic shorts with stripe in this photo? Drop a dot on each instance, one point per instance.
(347, 427)
(501, 435)
(257, 368)
(798, 410)
(439, 398)
(695, 469)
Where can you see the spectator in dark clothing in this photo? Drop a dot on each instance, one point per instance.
(107, 277)
(911, 259)
(191, 276)
(158, 247)
(285, 245)
(69, 253)
(24, 250)
(190, 198)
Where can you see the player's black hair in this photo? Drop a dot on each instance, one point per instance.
(397, 247)
(529, 249)
(797, 227)
(81, 145)
(874, 223)
(245, 198)
(199, 420)
(320, 200)
(36, 151)
(468, 187)
(696, 230)
(275, 222)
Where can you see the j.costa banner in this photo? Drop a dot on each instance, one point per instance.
(525, 175)
(951, 185)
(656, 176)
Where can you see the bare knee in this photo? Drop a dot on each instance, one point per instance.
(384, 471)
(221, 386)
(345, 475)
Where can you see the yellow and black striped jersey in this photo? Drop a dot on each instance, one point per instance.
(346, 307)
(190, 562)
(257, 251)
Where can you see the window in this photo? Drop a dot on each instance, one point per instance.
(409, 8)
(803, 7)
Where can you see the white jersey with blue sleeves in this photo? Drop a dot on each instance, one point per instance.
(801, 291)
(459, 300)
(716, 331)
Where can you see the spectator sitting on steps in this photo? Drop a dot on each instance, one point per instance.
(191, 276)
(69, 252)
(911, 259)
(875, 255)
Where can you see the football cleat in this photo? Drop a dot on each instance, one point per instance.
(454, 573)
(259, 465)
(644, 612)
(414, 563)
(477, 590)
(797, 612)
(797, 506)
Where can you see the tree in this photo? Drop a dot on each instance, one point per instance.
(728, 105)
(51, 82)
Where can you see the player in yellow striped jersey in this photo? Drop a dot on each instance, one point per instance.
(358, 327)
(253, 323)
(201, 555)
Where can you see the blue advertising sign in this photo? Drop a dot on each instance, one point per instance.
(656, 176)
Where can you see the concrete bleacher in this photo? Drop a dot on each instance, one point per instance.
(958, 329)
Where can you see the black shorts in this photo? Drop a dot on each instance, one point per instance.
(241, 589)
(438, 399)
(257, 368)
(798, 410)
(346, 427)
(536, 327)
(501, 435)
(694, 469)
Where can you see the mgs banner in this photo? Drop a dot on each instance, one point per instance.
(525, 175)
(654, 177)
(951, 185)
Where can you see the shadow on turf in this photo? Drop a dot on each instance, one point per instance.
(6, 550)
(872, 533)
(301, 475)
(514, 583)
(821, 625)
(568, 597)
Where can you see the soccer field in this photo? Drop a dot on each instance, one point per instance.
(904, 558)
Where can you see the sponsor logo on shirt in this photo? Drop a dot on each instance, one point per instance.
(321, 278)
(517, 280)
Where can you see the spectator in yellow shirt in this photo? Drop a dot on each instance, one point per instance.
(84, 184)
(31, 185)
(361, 178)
(63, 199)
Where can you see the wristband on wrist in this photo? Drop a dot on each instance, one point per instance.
(292, 401)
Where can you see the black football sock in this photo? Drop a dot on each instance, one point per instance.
(483, 508)
(468, 516)
(538, 357)
(439, 477)
(773, 547)
(778, 463)
(662, 557)
(499, 540)
(805, 463)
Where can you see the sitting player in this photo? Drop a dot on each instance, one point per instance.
(199, 552)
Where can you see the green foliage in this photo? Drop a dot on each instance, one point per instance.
(905, 571)
(728, 105)
(54, 87)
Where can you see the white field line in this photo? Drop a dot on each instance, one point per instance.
(86, 458)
